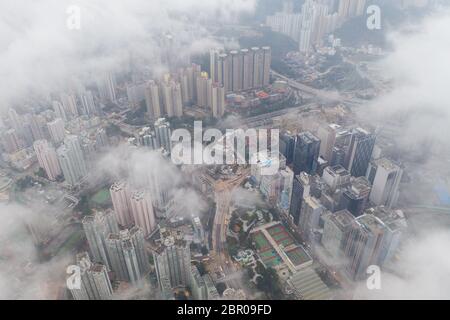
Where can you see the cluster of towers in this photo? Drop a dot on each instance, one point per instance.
(316, 19)
(241, 70)
(188, 86)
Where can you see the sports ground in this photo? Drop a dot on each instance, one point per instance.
(298, 255)
(284, 242)
(280, 235)
(267, 253)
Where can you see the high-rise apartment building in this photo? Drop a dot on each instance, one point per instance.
(107, 88)
(69, 103)
(56, 130)
(11, 141)
(97, 227)
(241, 70)
(60, 112)
(88, 104)
(173, 261)
(120, 197)
(71, 160)
(217, 100)
(47, 158)
(163, 134)
(153, 100)
(127, 254)
(95, 283)
(142, 210)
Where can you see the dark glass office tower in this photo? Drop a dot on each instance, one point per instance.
(287, 145)
(360, 152)
(306, 153)
(300, 190)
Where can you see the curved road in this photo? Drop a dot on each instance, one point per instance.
(223, 197)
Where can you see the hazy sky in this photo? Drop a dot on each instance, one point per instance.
(39, 53)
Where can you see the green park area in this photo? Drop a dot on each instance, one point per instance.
(101, 198)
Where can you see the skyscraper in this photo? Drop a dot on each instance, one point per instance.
(127, 254)
(360, 152)
(241, 70)
(247, 69)
(88, 104)
(95, 282)
(11, 141)
(107, 88)
(309, 217)
(198, 286)
(385, 176)
(306, 153)
(47, 158)
(213, 65)
(153, 100)
(300, 190)
(172, 98)
(287, 145)
(69, 103)
(173, 261)
(373, 239)
(237, 70)
(336, 177)
(327, 135)
(59, 110)
(56, 130)
(336, 228)
(218, 100)
(224, 71)
(267, 58)
(258, 67)
(71, 160)
(163, 134)
(202, 90)
(33, 124)
(286, 184)
(120, 197)
(97, 227)
(356, 196)
(142, 210)
(15, 120)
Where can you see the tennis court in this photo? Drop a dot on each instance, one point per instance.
(261, 242)
(270, 258)
(298, 256)
(265, 250)
(280, 235)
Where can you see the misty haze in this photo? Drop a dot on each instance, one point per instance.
(97, 97)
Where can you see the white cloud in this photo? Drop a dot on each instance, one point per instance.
(419, 67)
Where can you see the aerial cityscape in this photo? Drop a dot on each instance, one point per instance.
(224, 150)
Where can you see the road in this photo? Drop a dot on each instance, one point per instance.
(223, 262)
(324, 95)
(256, 121)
